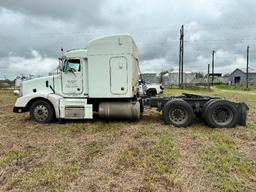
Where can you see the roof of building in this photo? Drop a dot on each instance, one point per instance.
(250, 70)
(149, 73)
(175, 71)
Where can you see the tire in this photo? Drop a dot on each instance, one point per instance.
(42, 112)
(151, 92)
(178, 113)
(243, 111)
(221, 114)
(205, 107)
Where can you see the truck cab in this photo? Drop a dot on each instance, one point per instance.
(101, 79)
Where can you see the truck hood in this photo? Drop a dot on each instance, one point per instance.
(41, 84)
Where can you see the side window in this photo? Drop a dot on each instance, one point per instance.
(72, 65)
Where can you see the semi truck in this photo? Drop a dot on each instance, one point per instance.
(102, 81)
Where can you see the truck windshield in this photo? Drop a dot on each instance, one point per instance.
(71, 65)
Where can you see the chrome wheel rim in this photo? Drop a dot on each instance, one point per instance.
(41, 113)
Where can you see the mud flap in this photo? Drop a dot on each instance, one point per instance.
(243, 112)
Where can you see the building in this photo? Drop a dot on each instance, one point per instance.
(150, 78)
(238, 76)
(218, 78)
(168, 78)
(172, 78)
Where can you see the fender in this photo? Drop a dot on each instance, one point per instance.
(23, 103)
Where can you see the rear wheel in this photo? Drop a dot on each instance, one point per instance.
(205, 107)
(178, 112)
(220, 114)
(42, 112)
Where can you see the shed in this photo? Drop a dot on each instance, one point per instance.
(238, 76)
(174, 77)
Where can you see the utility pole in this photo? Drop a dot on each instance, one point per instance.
(247, 67)
(213, 63)
(181, 57)
(208, 77)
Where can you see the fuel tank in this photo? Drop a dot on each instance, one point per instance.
(119, 110)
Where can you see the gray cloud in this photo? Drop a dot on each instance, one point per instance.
(66, 10)
(43, 27)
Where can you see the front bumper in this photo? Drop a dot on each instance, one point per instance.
(19, 110)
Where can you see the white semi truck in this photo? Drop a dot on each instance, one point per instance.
(103, 80)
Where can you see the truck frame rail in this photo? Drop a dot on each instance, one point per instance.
(214, 111)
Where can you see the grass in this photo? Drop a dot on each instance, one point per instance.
(227, 87)
(156, 161)
(17, 157)
(52, 174)
(49, 176)
(231, 170)
(127, 156)
(144, 132)
(71, 152)
(6, 96)
(91, 128)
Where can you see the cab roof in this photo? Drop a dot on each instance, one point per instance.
(76, 53)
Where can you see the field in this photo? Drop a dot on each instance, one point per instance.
(127, 156)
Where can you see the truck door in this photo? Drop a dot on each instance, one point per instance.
(118, 75)
(72, 77)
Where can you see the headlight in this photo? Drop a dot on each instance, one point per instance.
(16, 93)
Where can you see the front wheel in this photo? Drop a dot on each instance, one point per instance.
(178, 112)
(42, 112)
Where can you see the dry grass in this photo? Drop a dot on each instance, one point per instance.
(127, 156)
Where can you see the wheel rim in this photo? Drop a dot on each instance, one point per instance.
(178, 115)
(222, 115)
(41, 113)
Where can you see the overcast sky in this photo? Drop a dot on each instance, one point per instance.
(33, 32)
